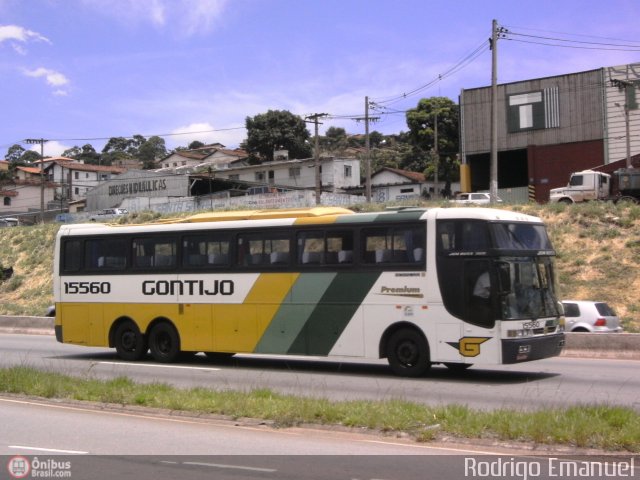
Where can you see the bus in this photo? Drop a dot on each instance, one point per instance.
(417, 286)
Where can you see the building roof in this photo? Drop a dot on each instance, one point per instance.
(413, 176)
(83, 167)
(33, 170)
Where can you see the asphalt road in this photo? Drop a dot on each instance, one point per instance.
(552, 382)
(54, 439)
(107, 443)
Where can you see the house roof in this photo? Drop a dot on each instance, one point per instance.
(413, 176)
(34, 170)
(83, 167)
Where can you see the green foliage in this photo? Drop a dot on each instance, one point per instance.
(276, 130)
(588, 426)
(422, 130)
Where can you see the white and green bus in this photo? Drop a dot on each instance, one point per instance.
(417, 286)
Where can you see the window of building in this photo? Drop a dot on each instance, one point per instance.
(294, 172)
(347, 171)
(235, 176)
(260, 176)
(76, 175)
(7, 201)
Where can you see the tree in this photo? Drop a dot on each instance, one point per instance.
(87, 154)
(151, 150)
(14, 154)
(195, 144)
(421, 123)
(276, 130)
(334, 140)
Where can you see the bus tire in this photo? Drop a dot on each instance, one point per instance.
(129, 342)
(164, 343)
(408, 353)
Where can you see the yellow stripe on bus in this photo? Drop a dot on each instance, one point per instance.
(238, 328)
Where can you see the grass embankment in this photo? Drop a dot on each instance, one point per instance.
(596, 427)
(598, 247)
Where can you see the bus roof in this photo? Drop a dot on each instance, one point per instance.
(263, 214)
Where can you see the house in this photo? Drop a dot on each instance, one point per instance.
(26, 191)
(74, 179)
(336, 174)
(186, 161)
(550, 127)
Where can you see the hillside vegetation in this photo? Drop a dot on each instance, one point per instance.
(597, 244)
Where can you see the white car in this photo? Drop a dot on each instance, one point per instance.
(474, 198)
(588, 316)
(108, 214)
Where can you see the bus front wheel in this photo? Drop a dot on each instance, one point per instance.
(164, 343)
(408, 353)
(129, 342)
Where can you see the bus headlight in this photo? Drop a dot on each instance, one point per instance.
(519, 333)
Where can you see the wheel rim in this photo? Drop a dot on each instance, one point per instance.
(407, 353)
(129, 340)
(163, 343)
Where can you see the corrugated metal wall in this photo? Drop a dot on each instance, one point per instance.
(574, 101)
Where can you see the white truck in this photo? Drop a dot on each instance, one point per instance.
(623, 185)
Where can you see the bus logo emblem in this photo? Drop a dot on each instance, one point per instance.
(469, 346)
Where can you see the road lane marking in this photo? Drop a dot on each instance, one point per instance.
(153, 365)
(51, 450)
(206, 422)
(222, 465)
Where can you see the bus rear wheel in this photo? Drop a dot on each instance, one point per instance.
(129, 342)
(408, 353)
(164, 343)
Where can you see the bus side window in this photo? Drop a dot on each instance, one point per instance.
(396, 245)
(201, 251)
(103, 254)
(156, 253)
(72, 256)
(263, 249)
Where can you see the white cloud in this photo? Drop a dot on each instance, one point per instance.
(52, 148)
(16, 36)
(186, 16)
(53, 78)
(206, 133)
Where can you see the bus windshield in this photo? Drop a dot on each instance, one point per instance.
(520, 236)
(526, 288)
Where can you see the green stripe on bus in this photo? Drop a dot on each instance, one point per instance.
(293, 314)
(333, 313)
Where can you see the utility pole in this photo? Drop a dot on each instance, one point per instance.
(436, 153)
(493, 171)
(315, 117)
(367, 150)
(41, 142)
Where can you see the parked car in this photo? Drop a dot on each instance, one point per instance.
(473, 198)
(588, 316)
(108, 214)
(9, 222)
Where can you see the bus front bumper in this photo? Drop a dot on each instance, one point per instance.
(532, 348)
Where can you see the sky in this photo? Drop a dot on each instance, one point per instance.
(82, 71)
